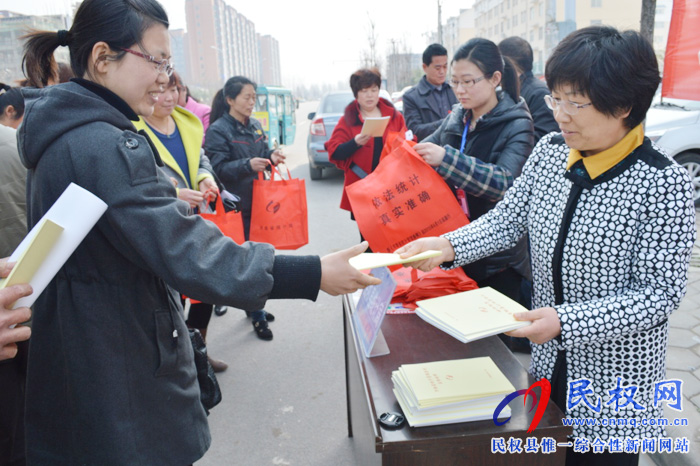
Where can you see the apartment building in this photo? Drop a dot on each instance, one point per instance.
(15, 25)
(544, 23)
(221, 43)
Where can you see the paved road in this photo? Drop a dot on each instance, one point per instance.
(284, 400)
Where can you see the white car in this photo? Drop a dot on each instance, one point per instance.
(674, 125)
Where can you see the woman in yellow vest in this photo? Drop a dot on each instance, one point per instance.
(177, 135)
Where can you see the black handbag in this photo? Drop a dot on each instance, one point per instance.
(210, 393)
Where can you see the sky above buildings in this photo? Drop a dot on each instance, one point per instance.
(320, 40)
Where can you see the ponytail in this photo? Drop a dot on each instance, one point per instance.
(219, 107)
(510, 81)
(38, 63)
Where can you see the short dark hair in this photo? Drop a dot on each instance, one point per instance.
(433, 50)
(364, 78)
(486, 56)
(174, 80)
(119, 23)
(617, 71)
(519, 50)
(11, 96)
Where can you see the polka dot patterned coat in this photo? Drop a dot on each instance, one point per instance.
(611, 256)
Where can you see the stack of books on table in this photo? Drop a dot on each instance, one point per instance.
(472, 315)
(447, 392)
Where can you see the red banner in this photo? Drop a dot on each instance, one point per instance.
(682, 62)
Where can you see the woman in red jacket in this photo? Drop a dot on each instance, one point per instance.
(356, 154)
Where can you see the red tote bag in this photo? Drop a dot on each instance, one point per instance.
(230, 223)
(402, 200)
(279, 215)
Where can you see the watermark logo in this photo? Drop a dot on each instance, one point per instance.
(545, 391)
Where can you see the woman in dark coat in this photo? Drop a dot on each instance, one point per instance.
(481, 148)
(111, 377)
(237, 148)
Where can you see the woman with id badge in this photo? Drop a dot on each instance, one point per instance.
(481, 147)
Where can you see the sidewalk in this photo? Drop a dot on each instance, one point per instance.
(683, 362)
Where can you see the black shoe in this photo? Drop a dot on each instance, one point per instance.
(262, 330)
(220, 310)
(269, 317)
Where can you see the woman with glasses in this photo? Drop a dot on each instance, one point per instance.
(111, 379)
(237, 147)
(611, 223)
(481, 148)
(355, 153)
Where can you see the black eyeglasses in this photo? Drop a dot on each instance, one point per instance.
(162, 66)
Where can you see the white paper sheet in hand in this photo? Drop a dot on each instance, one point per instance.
(77, 211)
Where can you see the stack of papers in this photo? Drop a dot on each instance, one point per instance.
(472, 315)
(447, 392)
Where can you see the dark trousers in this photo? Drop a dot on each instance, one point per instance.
(200, 315)
(507, 281)
(13, 374)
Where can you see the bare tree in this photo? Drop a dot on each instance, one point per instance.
(370, 56)
(647, 22)
(399, 65)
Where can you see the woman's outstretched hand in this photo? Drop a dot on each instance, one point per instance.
(339, 277)
(427, 244)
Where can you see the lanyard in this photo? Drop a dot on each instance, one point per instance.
(464, 136)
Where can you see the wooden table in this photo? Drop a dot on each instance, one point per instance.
(411, 340)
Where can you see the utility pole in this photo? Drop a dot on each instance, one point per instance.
(439, 5)
(647, 21)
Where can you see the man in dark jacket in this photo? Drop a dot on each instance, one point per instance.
(428, 102)
(531, 89)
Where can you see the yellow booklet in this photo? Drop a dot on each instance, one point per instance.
(34, 255)
(445, 382)
(419, 418)
(472, 315)
(372, 260)
(375, 127)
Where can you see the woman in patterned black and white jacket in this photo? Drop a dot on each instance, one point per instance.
(611, 222)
